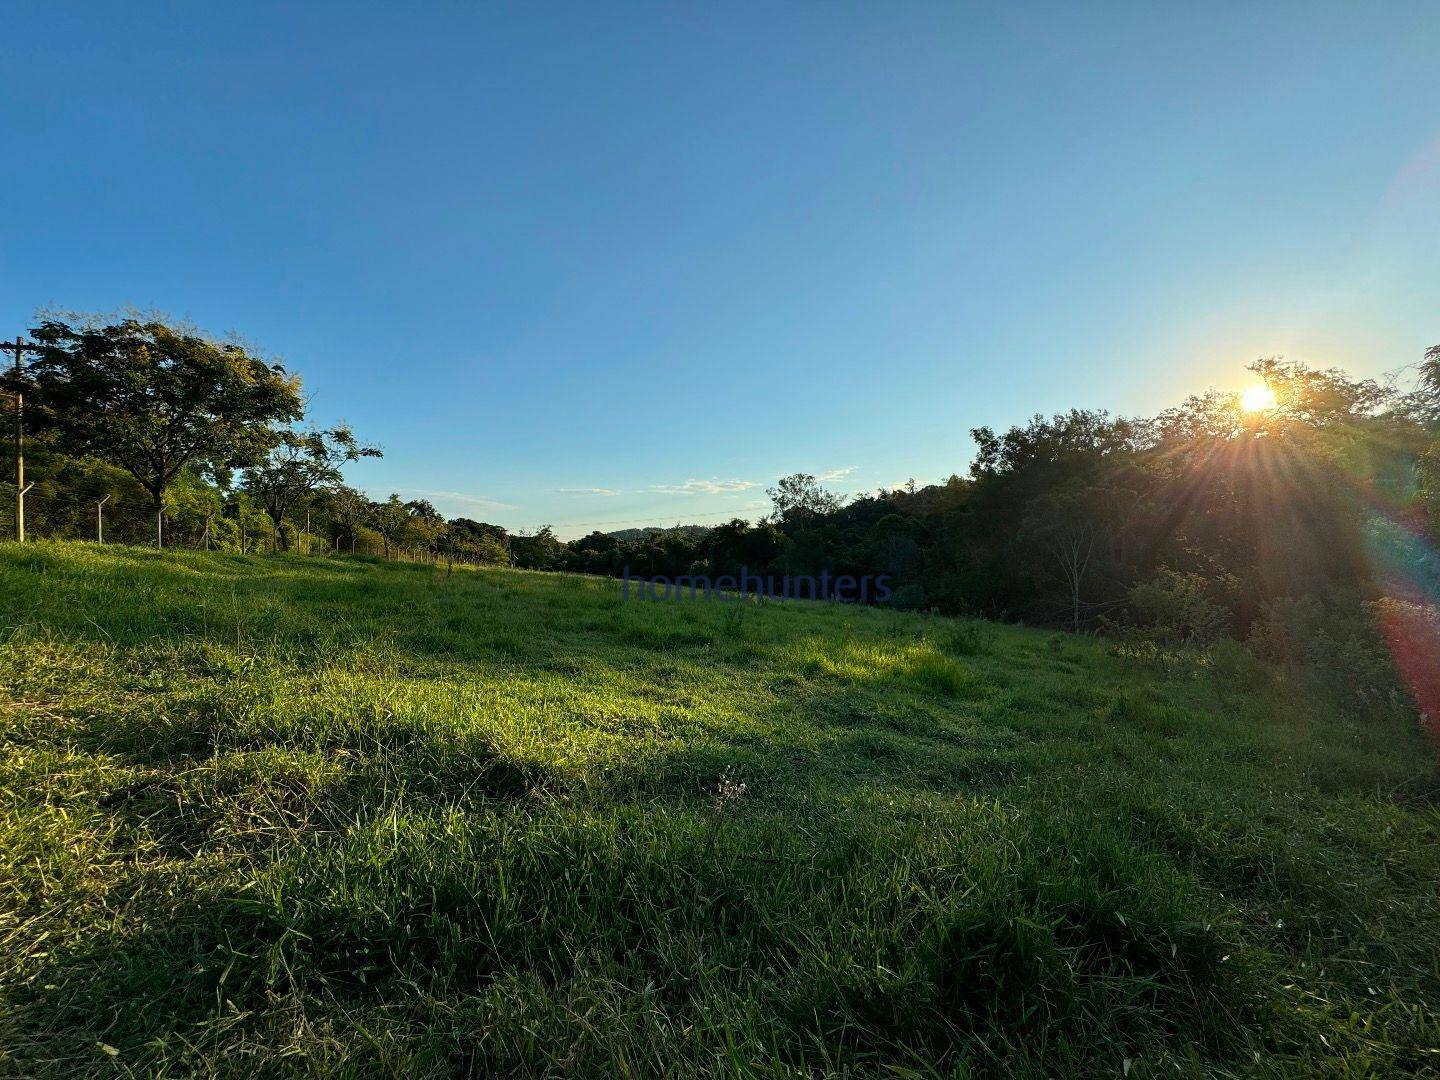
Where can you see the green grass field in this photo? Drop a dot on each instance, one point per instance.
(284, 815)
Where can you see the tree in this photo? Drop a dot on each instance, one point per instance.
(252, 523)
(486, 549)
(298, 465)
(800, 496)
(1427, 396)
(1068, 534)
(155, 399)
(192, 505)
(349, 509)
(424, 526)
(537, 551)
(477, 541)
(390, 519)
(1048, 451)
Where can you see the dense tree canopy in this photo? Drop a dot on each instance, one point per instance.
(155, 399)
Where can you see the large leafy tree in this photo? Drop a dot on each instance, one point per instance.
(300, 464)
(155, 399)
(800, 496)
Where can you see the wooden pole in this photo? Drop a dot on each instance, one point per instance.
(100, 520)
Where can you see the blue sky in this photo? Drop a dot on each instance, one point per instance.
(627, 264)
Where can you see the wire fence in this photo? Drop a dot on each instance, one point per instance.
(55, 515)
(58, 515)
(52, 514)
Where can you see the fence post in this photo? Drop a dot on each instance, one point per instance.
(100, 520)
(20, 510)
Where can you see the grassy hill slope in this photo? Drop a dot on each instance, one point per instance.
(274, 814)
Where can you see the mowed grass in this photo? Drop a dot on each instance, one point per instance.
(278, 815)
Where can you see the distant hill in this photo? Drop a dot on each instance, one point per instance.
(650, 530)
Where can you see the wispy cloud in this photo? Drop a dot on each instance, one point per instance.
(588, 491)
(830, 476)
(702, 487)
(459, 501)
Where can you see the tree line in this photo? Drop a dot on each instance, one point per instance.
(1304, 526)
(182, 438)
(1282, 525)
(1198, 518)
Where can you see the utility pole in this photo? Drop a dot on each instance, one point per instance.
(18, 347)
(100, 520)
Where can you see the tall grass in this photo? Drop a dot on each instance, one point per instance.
(323, 816)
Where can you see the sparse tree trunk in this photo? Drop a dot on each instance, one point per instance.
(276, 514)
(157, 505)
(1073, 553)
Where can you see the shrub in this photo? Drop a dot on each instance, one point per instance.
(1411, 632)
(908, 598)
(1236, 666)
(1335, 642)
(1177, 608)
(965, 639)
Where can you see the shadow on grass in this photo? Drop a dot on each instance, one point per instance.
(866, 936)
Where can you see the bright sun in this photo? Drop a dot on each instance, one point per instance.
(1257, 399)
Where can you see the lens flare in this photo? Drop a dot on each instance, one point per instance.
(1408, 568)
